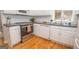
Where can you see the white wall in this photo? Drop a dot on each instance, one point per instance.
(43, 18)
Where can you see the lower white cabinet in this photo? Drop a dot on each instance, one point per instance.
(12, 35)
(44, 31)
(67, 37)
(63, 35)
(41, 30)
(36, 29)
(55, 34)
(15, 35)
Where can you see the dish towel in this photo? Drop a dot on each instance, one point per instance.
(29, 28)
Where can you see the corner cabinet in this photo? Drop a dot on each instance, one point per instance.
(41, 30)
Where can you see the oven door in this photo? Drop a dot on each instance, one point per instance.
(23, 30)
(26, 29)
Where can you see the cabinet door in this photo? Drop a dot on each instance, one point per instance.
(36, 29)
(10, 11)
(44, 31)
(15, 35)
(67, 37)
(55, 34)
(40, 12)
(41, 30)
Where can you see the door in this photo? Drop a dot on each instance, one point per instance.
(55, 34)
(67, 37)
(36, 29)
(40, 12)
(41, 30)
(44, 31)
(10, 11)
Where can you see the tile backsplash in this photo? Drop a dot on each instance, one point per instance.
(19, 18)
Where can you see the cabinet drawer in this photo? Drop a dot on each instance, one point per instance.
(14, 27)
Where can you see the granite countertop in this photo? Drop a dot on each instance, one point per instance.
(30, 23)
(55, 24)
(18, 24)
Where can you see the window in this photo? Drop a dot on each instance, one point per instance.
(57, 14)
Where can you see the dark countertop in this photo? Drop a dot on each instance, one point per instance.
(55, 25)
(18, 24)
(30, 23)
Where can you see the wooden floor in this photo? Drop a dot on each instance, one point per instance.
(1, 42)
(36, 42)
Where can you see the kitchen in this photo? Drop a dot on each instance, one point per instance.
(59, 27)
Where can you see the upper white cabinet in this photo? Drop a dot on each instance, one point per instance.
(29, 12)
(10, 11)
(19, 12)
(40, 12)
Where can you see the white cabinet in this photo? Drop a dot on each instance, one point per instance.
(40, 12)
(36, 29)
(41, 30)
(15, 35)
(29, 12)
(12, 35)
(63, 35)
(67, 37)
(55, 34)
(10, 11)
(44, 31)
(18, 12)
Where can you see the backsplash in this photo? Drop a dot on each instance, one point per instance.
(18, 18)
(43, 19)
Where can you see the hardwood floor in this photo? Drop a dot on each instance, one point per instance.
(36, 42)
(1, 42)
